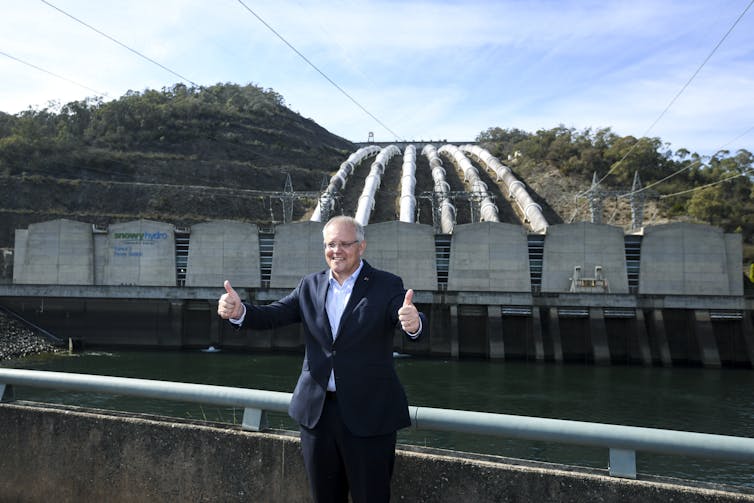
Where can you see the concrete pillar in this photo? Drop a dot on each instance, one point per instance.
(287, 338)
(642, 340)
(439, 336)
(554, 330)
(598, 336)
(748, 333)
(536, 334)
(176, 324)
(215, 325)
(660, 337)
(260, 339)
(454, 331)
(705, 337)
(496, 348)
(398, 340)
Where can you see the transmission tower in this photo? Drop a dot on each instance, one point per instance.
(636, 198)
(287, 198)
(595, 201)
(637, 204)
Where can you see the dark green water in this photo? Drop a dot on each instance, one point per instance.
(691, 399)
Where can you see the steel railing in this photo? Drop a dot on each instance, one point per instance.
(622, 441)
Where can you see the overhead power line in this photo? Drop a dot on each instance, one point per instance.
(693, 76)
(678, 172)
(689, 166)
(331, 81)
(738, 137)
(712, 184)
(185, 79)
(51, 73)
(683, 88)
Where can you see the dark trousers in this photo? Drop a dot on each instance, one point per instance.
(337, 461)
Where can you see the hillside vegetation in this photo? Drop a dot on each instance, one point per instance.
(559, 164)
(180, 155)
(185, 155)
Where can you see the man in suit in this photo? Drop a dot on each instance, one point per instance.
(348, 399)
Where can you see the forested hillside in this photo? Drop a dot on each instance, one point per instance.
(179, 155)
(185, 155)
(560, 163)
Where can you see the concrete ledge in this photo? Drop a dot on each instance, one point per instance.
(74, 455)
(451, 478)
(135, 293)
(56, 453)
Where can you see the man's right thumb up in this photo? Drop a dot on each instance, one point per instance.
(229, 304)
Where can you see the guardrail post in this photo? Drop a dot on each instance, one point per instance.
(254, 419)
(6, 393)
(623, 463)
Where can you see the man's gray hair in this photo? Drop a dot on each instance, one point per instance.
(349, 220)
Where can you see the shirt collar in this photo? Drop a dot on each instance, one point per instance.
(350, 280)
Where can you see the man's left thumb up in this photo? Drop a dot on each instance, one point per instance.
(408, 300)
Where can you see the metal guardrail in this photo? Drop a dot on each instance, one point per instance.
(254, 402)
(622, 441)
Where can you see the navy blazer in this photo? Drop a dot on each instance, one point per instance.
(370, 396)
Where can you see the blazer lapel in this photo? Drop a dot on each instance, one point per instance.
(322, 287)
(359, 292)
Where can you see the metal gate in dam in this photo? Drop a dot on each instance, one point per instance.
(671, 294)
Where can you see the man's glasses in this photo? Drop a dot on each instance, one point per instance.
(343, 246)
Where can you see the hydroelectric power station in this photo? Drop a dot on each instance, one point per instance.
(668, 294)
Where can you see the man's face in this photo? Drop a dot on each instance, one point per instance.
(342, 252)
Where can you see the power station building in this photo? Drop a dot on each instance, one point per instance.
(587, 292)
(488, 257)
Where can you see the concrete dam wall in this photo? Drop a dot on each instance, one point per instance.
(672, 259)
(68, 454)
(672, 294)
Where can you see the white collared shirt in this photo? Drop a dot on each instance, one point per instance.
(335, 303)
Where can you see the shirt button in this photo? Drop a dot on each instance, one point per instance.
(334, 352)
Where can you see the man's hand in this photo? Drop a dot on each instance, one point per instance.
(229, 306)
(408, 314)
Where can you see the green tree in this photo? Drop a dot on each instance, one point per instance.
(629, 155)
(708, 205)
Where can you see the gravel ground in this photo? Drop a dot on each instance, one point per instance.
(17, 341)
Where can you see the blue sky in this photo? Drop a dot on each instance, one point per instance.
(428, 70)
